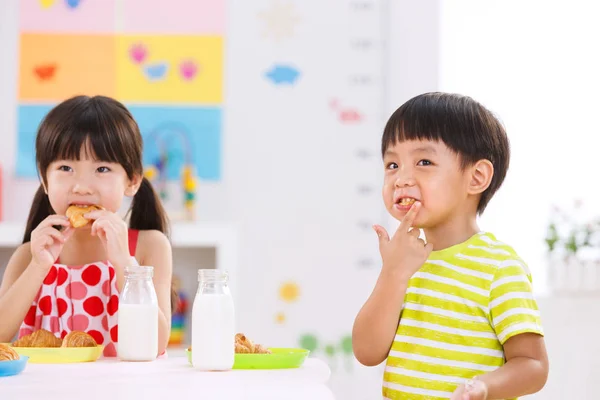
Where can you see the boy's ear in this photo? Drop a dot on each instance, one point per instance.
(134, 185)
(482, 173)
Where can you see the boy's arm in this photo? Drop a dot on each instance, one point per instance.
(516, 320)
(525, 371)
(376, 323)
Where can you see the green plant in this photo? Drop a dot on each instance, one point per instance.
(568, 233)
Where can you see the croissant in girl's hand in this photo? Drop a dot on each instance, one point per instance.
(76, 214)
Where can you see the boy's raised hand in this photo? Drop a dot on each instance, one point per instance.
(405, 252)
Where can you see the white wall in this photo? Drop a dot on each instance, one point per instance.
(534, 64)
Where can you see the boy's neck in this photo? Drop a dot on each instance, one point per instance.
(452, 232)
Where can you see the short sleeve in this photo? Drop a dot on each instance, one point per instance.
(512, 306)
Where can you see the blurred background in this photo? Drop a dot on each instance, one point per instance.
(262, 122)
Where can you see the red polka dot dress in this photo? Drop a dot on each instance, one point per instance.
(79, 298)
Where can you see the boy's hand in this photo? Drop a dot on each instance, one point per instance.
(472, 390)
(405, 252)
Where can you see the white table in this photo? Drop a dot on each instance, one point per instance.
(167, 379)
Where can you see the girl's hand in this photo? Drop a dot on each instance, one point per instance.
(472, 390)
(112, 231)
(47, 242)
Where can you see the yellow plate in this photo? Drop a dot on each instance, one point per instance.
(60, 355)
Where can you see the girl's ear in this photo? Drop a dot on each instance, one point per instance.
(134, 185)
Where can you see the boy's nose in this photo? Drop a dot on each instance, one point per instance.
(404, 180)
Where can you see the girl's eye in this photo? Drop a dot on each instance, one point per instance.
(65, 168)
(391, 165)
(103, 169)
(424, 163)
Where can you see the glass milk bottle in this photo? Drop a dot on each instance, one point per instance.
(213, 326)
(138, 316)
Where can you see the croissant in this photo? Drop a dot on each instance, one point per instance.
(241, 349)
(41, 338)
(241, 339)
(7, 353)
(245, 345)
(258, 349)
(25, 341)
(75, 214)
(78, 339)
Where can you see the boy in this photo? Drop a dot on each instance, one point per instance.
(455, 317)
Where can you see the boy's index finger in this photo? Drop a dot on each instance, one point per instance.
(409, 218)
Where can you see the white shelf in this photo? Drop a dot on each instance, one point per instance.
(183, 234)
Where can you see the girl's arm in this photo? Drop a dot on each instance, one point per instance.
(20, 284)
(154, 250)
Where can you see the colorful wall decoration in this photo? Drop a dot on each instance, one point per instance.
(164, 60)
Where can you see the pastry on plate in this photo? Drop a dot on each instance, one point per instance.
(241, 349)
(40, 338)
(244, 345)
(78, 339)
(259, 349)
(7, 353)
(76, 214)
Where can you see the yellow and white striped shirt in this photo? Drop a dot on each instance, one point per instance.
(459, 309)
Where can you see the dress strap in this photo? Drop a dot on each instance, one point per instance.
(133, 238)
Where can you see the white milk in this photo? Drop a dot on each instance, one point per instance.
(138, 332)
(213, 332)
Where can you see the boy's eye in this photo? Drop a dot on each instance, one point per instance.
(65, 168)
(424, 163)
(103, 169)
(391, 165)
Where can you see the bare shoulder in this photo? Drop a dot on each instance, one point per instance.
(153, 245)
(18, 262)
(152, 237)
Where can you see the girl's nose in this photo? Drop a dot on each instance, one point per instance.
(82, 188)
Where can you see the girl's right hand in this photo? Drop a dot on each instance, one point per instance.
(47, 241)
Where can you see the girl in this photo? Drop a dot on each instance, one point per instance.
(88, 152)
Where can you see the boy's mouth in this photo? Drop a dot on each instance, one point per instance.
(406, 201)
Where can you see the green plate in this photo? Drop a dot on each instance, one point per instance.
(280, 358)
